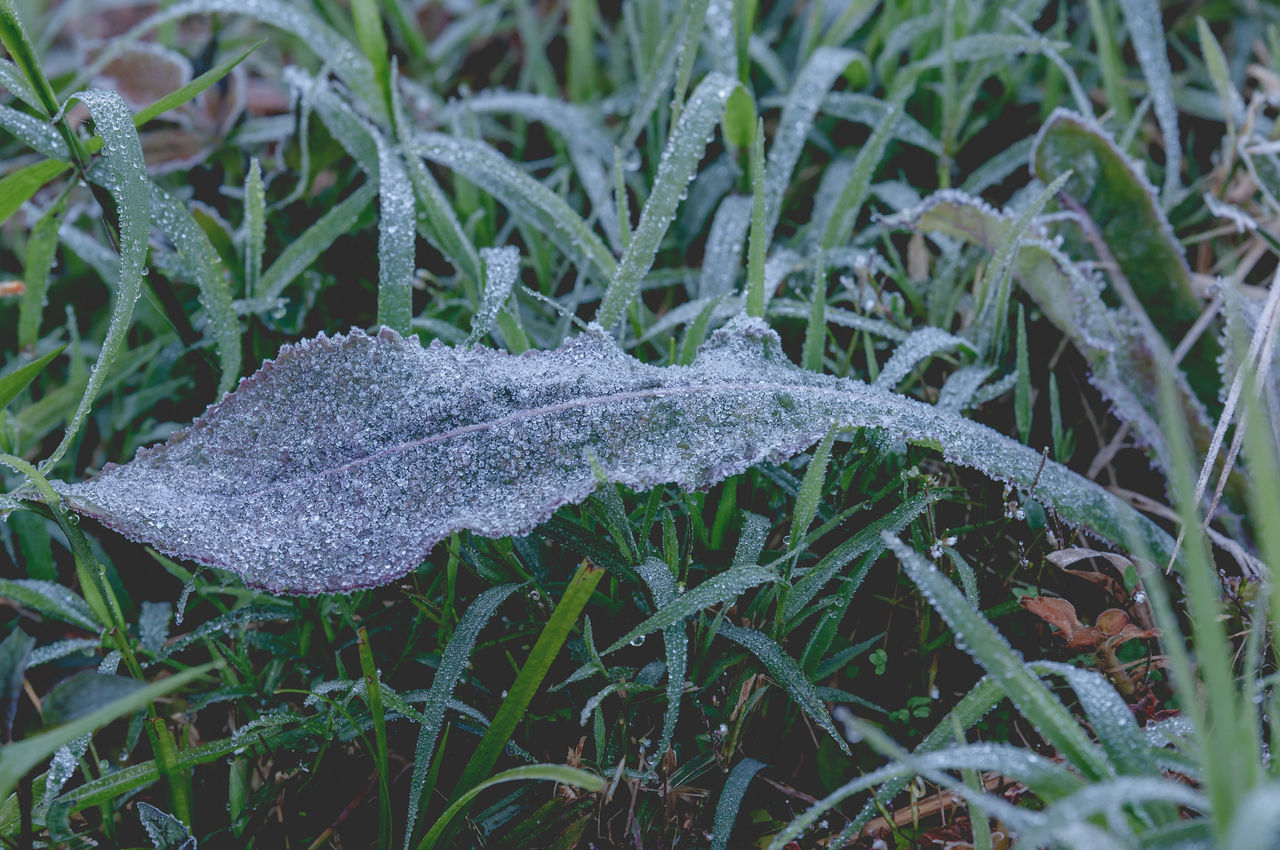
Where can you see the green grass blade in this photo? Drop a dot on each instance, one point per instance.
(1146, 33)
(549, 772)
(854, 193)
(130, 188)
(735, 787)
(452, 664)
(683, 151)
(527, 682)
(255, 229)
(20, 186)
(1022, 389)
(1109, 62)
(758, 246)
(14, 37)
(998, 278)
(726, 586)
(662, 587)
(315, 240)
(584, 17)
(191, 90)
(373, 696)
(526, 198)
(396, 236)
(373, 42)
(204, 267)
(815, 333)
(20, 757)
(787, 673)
(811, 489)
(42, 249)
(501, 271)
(1036, 702)
(12, 79)
(807, 93)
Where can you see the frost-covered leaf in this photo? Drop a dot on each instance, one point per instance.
(1123, 205)
(502, 269)
(343, 462)
(165, 831)
(1146, 31)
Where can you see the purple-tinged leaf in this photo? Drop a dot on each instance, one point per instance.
(343, 462)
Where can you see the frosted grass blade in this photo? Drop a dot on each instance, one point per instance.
(872, 112)
(807, 94)
(1146, 33)
(735, 787)
(724, 587)
(811, 489)
(838, 228)
(204, 267)
(339, 464)
(1029, 695)
(914, 350)
(128, 184)
(12, 79)
(526, 198)
(35, 133)
(255, 229)
(662, 587)
(786, 673)
(502, 269)
(447, 676)
(315, 240)
(758, 246)
(680, 159)
(722, 256)
(396, 235)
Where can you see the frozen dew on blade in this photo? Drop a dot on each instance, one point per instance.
(340, 464)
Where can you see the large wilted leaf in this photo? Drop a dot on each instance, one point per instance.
(340, 464)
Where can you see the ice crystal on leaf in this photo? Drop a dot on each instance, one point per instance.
(343, 462)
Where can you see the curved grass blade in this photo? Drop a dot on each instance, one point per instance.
(452, 664)
(17, 380)
(786, 673)
(502, 270)
(129, 186)
(1035, 701)
(204, 267)
(525, 197)
(680, 159)
(20, 757)
(315, 240)
(35, 133)
(807, 94)
(914, 350)
(731, 799)
(550, 772)
(662, 586)
(725, 586)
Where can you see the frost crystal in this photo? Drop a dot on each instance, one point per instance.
(343, 462)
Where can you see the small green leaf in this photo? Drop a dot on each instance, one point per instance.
(20, 186)
(194, 88)
(811, 489)
(83, 693)
(740, 118)
(17, 380)
(735, 786)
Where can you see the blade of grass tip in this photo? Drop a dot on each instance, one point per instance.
(658, 78)
(787, 673)
(315, 240)
(17, 380)
(129, 187)
(1220, 75)
(688, 52)
(191, 90)
(527, 682)
(1028, 694)
(726, 586)
(735, 787)
(758, 244)
(501, 271)
(1022, 389)
(20, 186)
(452, 664)
(998, 277)
(680, 158)
(373, 696)
(811, 489)
(42, 249)
(396, 236)
(621, 201)
(1146, 32)
(855, 191)
(205, 267)
(255, 228)
(550, 772)
(807, 93)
